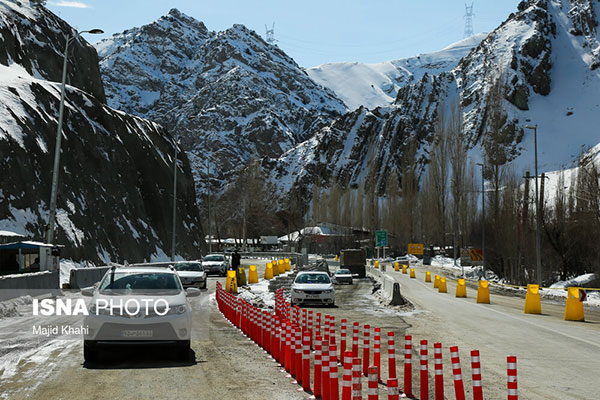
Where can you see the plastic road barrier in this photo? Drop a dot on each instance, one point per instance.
(483, 292)
(459, 388)
(461, 288)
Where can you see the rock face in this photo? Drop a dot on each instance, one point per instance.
(229, 95)
(530, 55)
(116, 170)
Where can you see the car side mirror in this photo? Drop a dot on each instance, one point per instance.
(192, 292)
(88, 291)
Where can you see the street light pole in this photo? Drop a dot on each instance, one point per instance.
(53, 195)
(538, 254)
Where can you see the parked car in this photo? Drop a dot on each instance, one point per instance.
(191, 273)
(343, 276)
(216, 263)
(138, 306)
(312, 287)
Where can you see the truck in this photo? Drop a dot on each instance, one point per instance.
(355, 260)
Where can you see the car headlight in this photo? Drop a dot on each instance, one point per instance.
(178, 309)
(93, 310)
(298, 291)
(328, 291)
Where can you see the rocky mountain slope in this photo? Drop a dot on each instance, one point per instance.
(377, 85)
(229, 95)
(115, 184)
(545, 58)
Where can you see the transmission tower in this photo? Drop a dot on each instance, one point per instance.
(468, 20)
(271, 34)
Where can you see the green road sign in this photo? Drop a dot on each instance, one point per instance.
(381, 238)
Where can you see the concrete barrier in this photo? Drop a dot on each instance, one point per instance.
(86, 277)
(391, 295)
(31, 284)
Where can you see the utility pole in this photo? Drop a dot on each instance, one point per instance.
(176, 146)
(538, 251)
(482, 165)
(270, 33)
(468, 20)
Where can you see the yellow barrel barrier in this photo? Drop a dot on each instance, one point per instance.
(269, 271)
(396, 266)
(483, 292)
(412, 273)
(533, 304)
(404, 271)
(442, 288)
(231, 282)
(461, 288)
(337, 258)
(287, 266)
(276, 270)
(241, 276)
(376, 264)
(252, 275)
(574, 307)
(436, 282)
(427, 276)
(274, 263)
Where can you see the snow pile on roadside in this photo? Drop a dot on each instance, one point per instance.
(9, 308)
(592, 298)
(258, 294)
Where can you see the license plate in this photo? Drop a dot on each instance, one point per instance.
(312, 296)
(138, 333)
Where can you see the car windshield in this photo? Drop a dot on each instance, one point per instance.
(188, 267)
(213, 258)
(312, 278)
(343, 272)
(147, 283)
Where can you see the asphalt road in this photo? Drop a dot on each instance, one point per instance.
(556, 359)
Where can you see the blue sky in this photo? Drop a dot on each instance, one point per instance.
(312, 32)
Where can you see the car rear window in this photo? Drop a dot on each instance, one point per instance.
(312, 278)
(343, 271)
(189, 267)
(213, 258)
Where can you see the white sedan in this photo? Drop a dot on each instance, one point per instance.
(313, 287)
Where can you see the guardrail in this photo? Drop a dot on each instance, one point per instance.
(29, 284)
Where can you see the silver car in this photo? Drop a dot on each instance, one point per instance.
(313, 287)
(215, 263)
(138, 306)
(191, 273)
(343, 276)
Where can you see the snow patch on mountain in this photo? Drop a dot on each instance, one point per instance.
(375, 85)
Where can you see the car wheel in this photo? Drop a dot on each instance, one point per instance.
(183, 352)
(89, 354)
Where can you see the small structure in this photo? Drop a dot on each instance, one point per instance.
(27, 256)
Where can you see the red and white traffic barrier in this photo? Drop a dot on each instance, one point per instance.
(343, 338)
(317, 367)
(356, 379)
(355, 328)
(325, 369)
(334, 388)
(392, 389)
(391, 355)
(306, 362)
(476, 371)
(373, 384)
(332, 331)
(408, 365)
(439, 371)
(377, 352)
(459, 389)
(424, 382)
(366, 348)
(298, 354)
(288, 346)
(347, 377)
(293, 351)
(511, 369)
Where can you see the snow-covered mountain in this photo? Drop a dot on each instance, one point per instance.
(229, 95)
(377, 85)
(545, 56)
(115, 184)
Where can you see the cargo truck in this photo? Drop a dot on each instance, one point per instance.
(355, 260)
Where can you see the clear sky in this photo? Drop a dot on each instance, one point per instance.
(310, 31)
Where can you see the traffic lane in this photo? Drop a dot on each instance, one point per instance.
(551, 353)
(226, 365)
